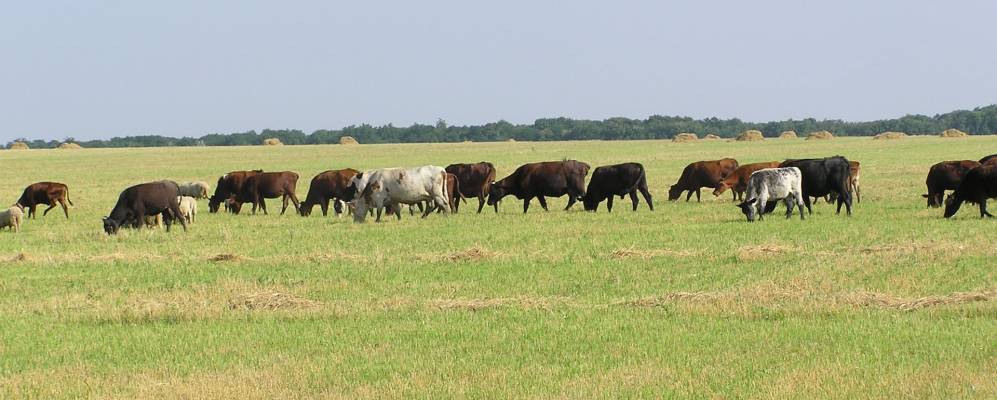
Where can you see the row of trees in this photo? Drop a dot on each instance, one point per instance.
(979, 121)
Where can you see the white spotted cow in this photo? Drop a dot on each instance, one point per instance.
(773, 184)
(390, 187)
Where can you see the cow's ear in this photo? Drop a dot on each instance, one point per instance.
(924, 195)
(750, 202)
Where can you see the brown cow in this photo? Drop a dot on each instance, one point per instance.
(48, 193)
(329, 185)
(267, 185)
(737, 181)
(943, 176)
(551, 178)
(229, 184)
(989, 160)
(474, 180)
(701, 174)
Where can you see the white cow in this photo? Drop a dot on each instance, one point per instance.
(773, 184)
(390, 187)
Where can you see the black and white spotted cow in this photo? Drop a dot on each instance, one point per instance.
(773, 184)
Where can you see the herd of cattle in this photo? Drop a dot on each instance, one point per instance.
(759, 187)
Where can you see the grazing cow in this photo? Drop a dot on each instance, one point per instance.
(228, 185)
(989, 160)
(329, 185)
(701, 174)
(823, 176)
(946, 175)
(136, 202)
(188, 208)
(616, 180)
(773, 184)
(737, 181)
(196, 189)
(550, 178)
(390, 187)
(48, 193)
(977, 186)
(474, 180)
(266, 185)
(11, 218)
(854, 171)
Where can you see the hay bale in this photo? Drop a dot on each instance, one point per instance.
(69, 146)
(710, 136)
(749, 135)
(788, 135)
(348, 140)
(889, 136)
(272, 142)
(511, 140)
(953, 133)
(820, 135)
(18, 146)
(685, 137)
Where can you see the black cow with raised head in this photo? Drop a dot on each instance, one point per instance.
(823, 176)
(946, 175)
(550, 178)
(977, 186)
(146, 199)
(616, 180)
(473, 180)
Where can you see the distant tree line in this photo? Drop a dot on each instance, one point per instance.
(979, 121)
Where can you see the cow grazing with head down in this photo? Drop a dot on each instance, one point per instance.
(47, 193)
(228, 185)
(822, 176)
(701, 174)
(773, 184)
(616, 180)
(946, 175)
(473, 180)
(977, 186)
(139, 201)
(266, 185)
(389, 188)
(737, 181)
(854, 172)
(550, 178)
(329, 185)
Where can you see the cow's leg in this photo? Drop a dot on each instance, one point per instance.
(697, 195)
(526, 205)
(633, 199)
(263, 205)
(806, 202)
(324, 204)
(647, 197)
(571, 201)
(543, 202)
(51, 205)
(609, 204)
(983, 209)
(790, 201)
(799, 204)
(284, 201)
(294, 200)
(378, 213)
(688, 196)
(32, 212)
(430, 207)
(65, 208)
(481, 203)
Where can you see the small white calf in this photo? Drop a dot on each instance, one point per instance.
(11, 218)
(773, 184)
(390, 187)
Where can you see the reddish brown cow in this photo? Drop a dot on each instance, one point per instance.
(946, 175)
(989, 160)
(229, 184)
(48, 193)
(737, 181)
(267, 185)
(474, 180)
(550, 178)
(701, 174)
(329, 185)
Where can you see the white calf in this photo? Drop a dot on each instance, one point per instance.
(773, 184)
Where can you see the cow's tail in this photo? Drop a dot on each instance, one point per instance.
(67, 198)
(446, 196)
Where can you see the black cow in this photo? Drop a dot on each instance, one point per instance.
(550, 178)
(977, 186)
(139, 201)
(473, 180)
(823, 176)
(228, 185)
(616, 180)
(946, 175)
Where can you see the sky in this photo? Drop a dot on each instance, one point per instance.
(98, 69)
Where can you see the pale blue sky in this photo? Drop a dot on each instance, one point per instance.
(96, 69)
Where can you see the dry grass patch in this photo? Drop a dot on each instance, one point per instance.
(270, 300)
(750, 135)
(631, 252)
(912, 247)
(871, 299)
(524, 302)
(890, 136)
(119, 256)
(473, 253)
(226, 257)
(685, 137)
(19, 257)
(953, 133)
(747, 253)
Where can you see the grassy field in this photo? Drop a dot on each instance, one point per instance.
(686, 301)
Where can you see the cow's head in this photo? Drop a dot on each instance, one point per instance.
(589, 202)
(748, 209)
(721, 188)
(305, 209)
(110, 226)
(496, 192)
(934, 200)
(214, 203)
(674, 192)
(952, 204)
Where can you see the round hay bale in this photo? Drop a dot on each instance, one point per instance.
(348, 140)
(69, 146)
(788, 135)
(710, 136)
(889, 136)
(820, 135)
(953, 133)
(272, 142)
(749, 135)
(511, 140)
(685, 137)
(18, 146)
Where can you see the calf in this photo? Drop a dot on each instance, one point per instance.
(946, 175)
(228, 185)
(266, 185)
(737, 181)
(823, 176)
(11, 218)
(136, 202)
(473, 180)
(48, 193)
(390, 187)
(701, 174)
(329, 185)
(197, 189)
(616, 180)
(977, 186)
(550, 178)
(773, 184)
